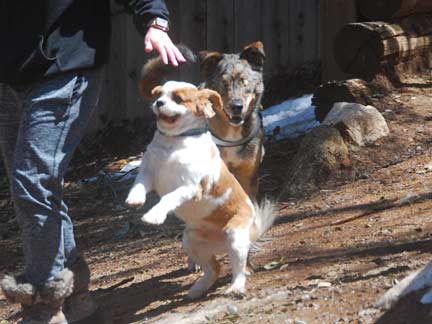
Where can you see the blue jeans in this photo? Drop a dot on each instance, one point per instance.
(40, 127)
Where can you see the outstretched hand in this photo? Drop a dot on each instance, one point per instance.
(159, 40)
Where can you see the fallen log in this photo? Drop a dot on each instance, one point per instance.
(352, 90)
(364, 49)
(391, 9)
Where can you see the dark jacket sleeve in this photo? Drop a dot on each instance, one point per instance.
(145, 10)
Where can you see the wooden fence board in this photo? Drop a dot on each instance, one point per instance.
(334, 15)
(247, 28)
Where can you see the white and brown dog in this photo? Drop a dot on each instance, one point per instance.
(183, 165)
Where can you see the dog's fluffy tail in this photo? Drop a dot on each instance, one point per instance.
(265, 215)
(414, 282)
(154, 72)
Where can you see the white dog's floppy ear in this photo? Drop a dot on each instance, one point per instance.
(209, 102)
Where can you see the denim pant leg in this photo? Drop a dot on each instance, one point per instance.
(10, 119)
(55, 114)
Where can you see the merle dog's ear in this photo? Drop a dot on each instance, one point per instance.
(254, 54)
(209, 60)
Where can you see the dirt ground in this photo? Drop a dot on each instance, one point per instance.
(327, 259)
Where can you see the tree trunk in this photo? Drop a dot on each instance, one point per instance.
(390, 9)
(353, 90)
(364, 49)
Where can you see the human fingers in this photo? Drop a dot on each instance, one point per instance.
(162, 52)
(179, 56)
(171, 55)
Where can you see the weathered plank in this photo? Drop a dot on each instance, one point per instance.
(334, 15)
(220, 25)
(247, 22)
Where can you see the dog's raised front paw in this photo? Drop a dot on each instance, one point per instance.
(136, 197)
(154, 216)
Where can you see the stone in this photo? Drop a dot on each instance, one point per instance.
(320, 157)
(358, 124)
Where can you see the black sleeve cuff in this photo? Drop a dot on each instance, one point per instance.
(144, 11)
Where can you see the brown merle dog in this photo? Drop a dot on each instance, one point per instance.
(237, 128)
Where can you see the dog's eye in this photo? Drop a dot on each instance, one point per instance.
(177, 99)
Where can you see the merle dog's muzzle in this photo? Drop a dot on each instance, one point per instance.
(236, 116)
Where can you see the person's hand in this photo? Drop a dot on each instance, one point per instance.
(158, 40)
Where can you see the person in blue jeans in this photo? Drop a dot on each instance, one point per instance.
(50, 79)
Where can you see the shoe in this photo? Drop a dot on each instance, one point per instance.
(41, 305)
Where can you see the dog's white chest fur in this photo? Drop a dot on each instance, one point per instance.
(179, 161)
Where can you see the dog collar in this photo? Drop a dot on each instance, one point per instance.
(225, 143)
(189, 132)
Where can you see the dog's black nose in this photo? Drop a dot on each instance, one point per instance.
(237, 106)
(160, 103)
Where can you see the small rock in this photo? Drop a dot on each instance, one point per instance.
(306, 297)
(327, 232)
(324, 284)
(362, 124)
(298, 321)
(408, 199)
(232, 310)
(386, 231)
(272, 265)
(368, 312)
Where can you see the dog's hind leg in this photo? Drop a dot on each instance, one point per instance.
(238, 250)
(202, 254)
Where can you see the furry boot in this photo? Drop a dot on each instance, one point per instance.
(80, 305)
(41, 305)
